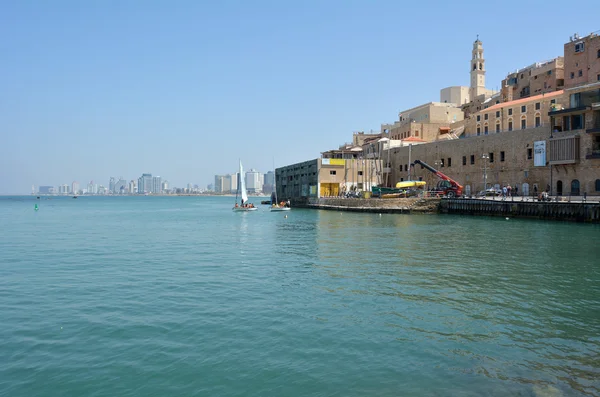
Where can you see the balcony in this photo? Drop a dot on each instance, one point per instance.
(564, 150)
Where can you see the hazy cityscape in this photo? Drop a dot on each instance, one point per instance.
(148, 184)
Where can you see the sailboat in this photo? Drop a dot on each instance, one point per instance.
(275, 206)
(244, 206)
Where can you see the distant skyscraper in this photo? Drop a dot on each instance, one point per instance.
(269, 182)
(219, 183)
(254, 181)
(120, 186)
(145, 184)
(210, 187)
(165, 186)
(75, 187)
(46, 189)
(156, 185)
(111, 185)
(132, 187)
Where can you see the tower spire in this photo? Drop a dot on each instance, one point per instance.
(477, 70)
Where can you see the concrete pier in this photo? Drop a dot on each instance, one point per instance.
(562, 211)
(573, 211)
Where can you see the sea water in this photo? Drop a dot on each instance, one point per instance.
(181, 296)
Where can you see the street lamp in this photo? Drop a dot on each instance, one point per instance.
(485, 158)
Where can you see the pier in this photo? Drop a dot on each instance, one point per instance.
(572, 211)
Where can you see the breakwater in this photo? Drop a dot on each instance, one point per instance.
(563, 211)
(557, 210)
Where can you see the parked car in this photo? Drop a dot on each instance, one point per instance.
(491, 192)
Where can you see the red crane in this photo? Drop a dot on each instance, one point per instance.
(448, 186)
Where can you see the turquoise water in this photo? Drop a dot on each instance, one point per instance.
(179, 296)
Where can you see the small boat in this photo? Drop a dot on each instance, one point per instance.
(281, 206)
(244, 206)
(408, 184)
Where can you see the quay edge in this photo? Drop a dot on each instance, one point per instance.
(588, 212)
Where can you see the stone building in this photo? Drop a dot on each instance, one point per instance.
(582, 60)
(536, 79)
(424, 121)
(518, 114)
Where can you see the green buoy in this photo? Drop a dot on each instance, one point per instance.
(36, 207)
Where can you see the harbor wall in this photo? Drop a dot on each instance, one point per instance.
(556, 210)
(561, 211)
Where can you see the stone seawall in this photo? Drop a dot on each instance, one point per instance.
(563, 211)
(396, 206)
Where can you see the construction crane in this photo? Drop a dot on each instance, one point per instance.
(446, 186)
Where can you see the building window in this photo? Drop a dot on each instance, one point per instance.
(472, 159)
(478, 130)
(491, 157)
(580, 73)
(501, 156)
(510, 125)
(360, 173)
(580, 47)
(478, 117)
(523, 108)
(485, 129)
(449, 162)
(497, 113)
(598, 77)
(417, 133)
(552, 102)
(331, 172)
(442, 163)
(510, 112)
(538, 121)
(598, 180)
(464, 160)
(523, 124)
(485, 116)
(497, 127)
(529, 153)
(538, 106)
(572, 75)
(598, 54)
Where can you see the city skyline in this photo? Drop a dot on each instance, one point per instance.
(96, 90)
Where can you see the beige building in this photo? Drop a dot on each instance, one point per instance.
(519, 114)
(425, 122)
(326, 177)
(457, 95)
(582, 60)
(536, 79)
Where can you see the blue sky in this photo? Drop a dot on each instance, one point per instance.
(182, 89)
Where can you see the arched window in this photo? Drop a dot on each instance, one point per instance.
(598, 180)
(480, 66)
(598, 53)
(498, 126)
(559, 188)
(510, 124)
(523, 122)
(538, 119)
(575, 187)
(474, 66)
(486, 128)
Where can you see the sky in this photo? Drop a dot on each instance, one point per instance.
(183, 89)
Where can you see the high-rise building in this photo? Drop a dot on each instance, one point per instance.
(111, 185)
(156, 185)
(63, 189)
(145, 184)
(269, 182)
(132, 187)
(75, 187)
(119, 186)
(219, 179)
(46, 189)
(165, 186)
(254, 181)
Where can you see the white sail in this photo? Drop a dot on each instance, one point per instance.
(243, 184)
